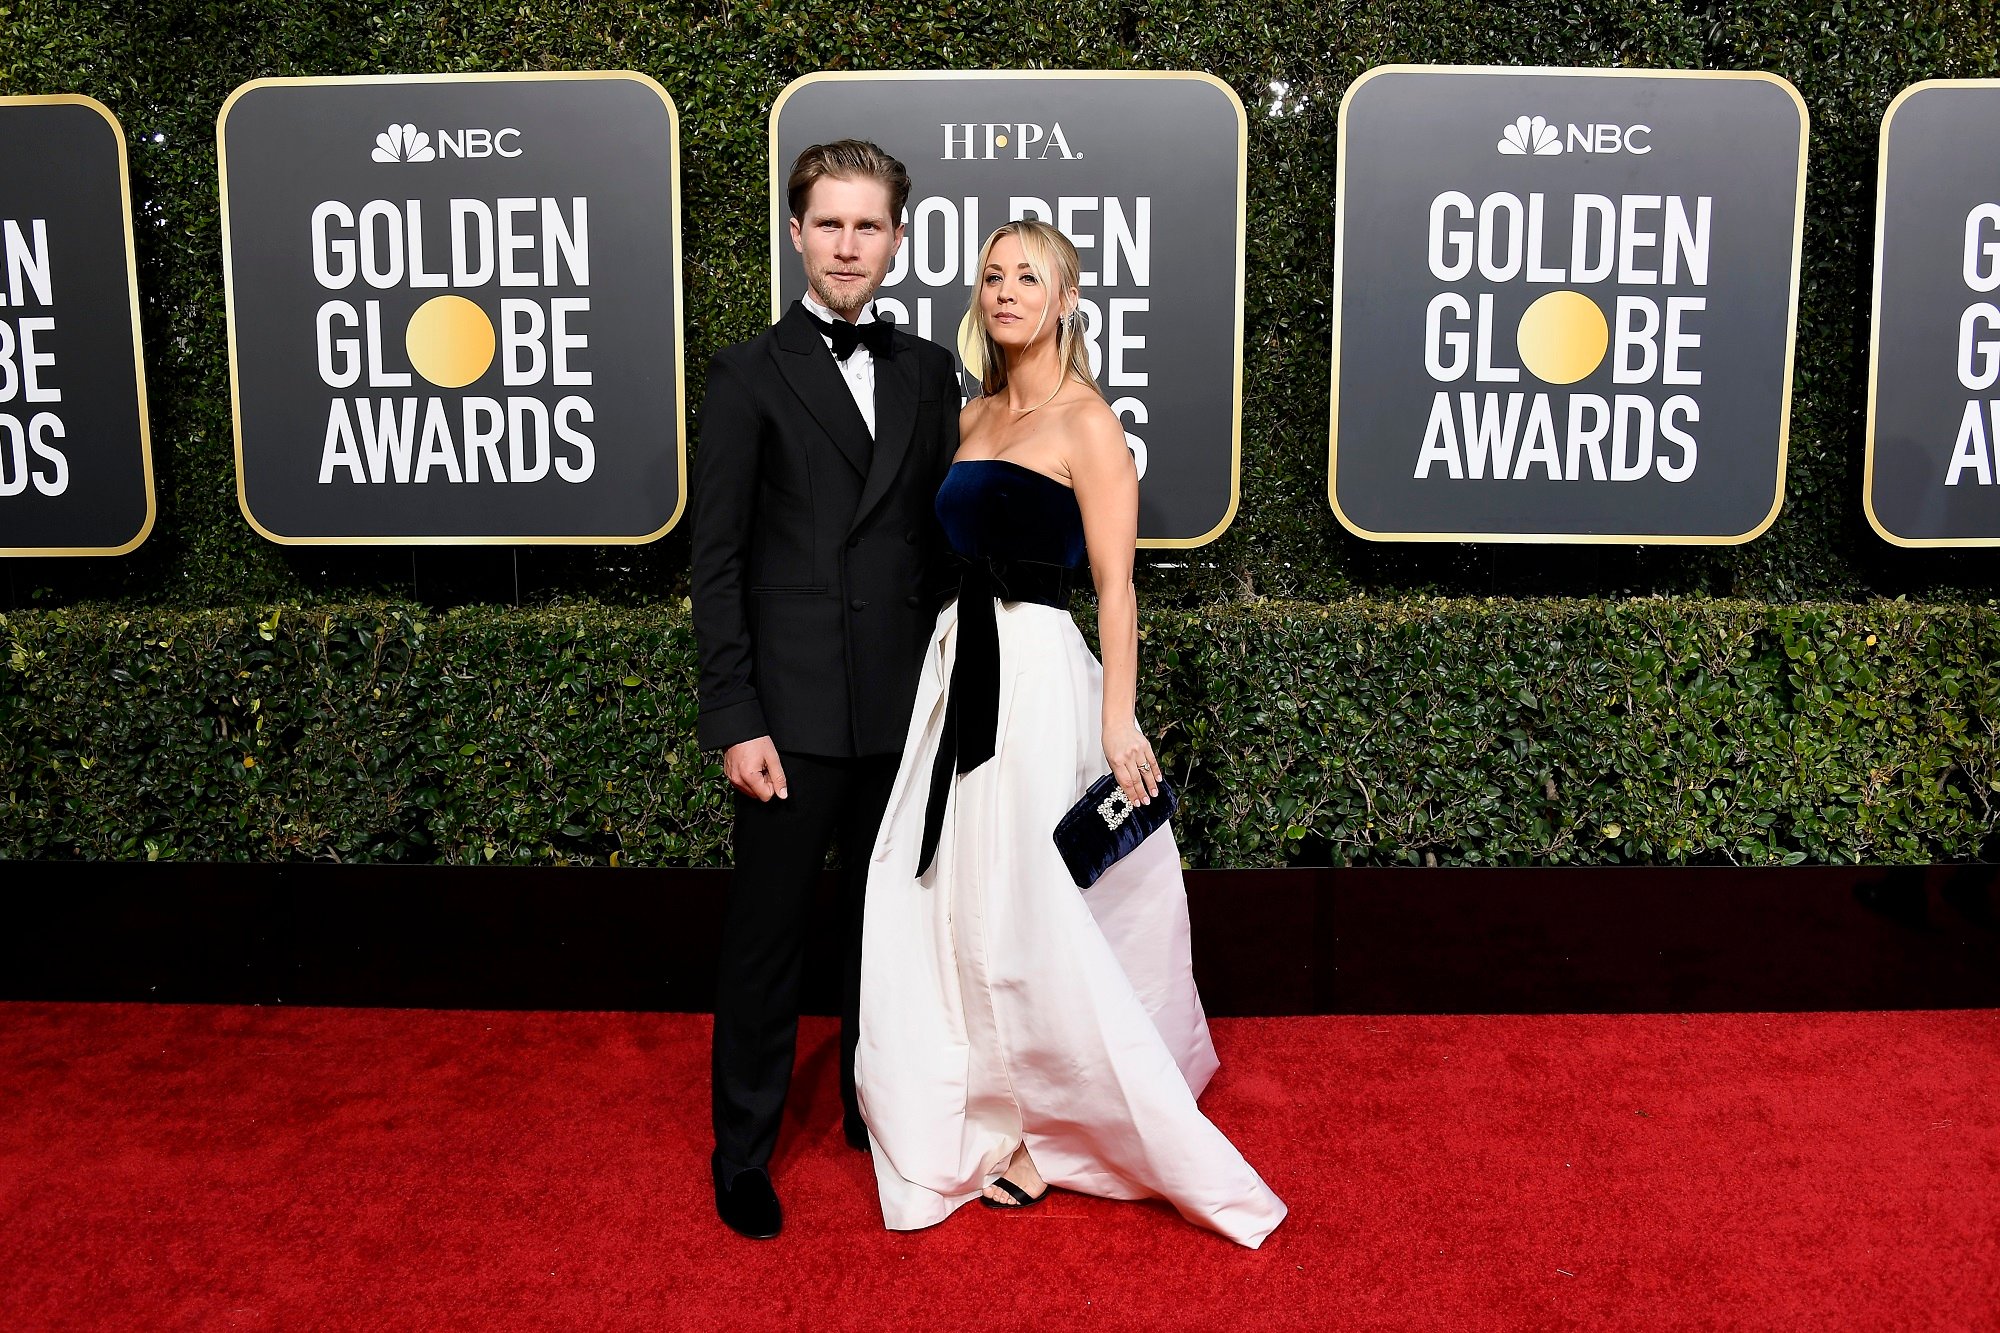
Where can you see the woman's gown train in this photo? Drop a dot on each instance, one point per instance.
(999, 1004)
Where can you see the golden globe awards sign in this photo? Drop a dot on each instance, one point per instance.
(1933, 471)
(76, 467)
(1143, 171)
(454, 307)
(1564, 303)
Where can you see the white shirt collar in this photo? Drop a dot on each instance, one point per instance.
(811, 303)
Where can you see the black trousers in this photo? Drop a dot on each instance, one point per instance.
(780, 849)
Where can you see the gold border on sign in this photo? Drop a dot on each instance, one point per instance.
(1558, 538)
(1875, 325)
(138, 347)
(1242, 193)
(680, 309)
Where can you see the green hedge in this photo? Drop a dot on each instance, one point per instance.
(1366, 718)
(164, 66)
(1358, 732)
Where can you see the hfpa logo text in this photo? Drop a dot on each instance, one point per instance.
(1024, 142)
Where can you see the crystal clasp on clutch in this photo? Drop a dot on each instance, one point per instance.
(1115, 809)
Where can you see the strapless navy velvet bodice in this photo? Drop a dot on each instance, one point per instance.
(996, 510)
(1016, 536)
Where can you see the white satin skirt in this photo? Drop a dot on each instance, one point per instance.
(999, 1005)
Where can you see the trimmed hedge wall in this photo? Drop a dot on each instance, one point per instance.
(1425, 732)
(1368, 717)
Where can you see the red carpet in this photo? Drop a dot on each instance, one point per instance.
(219, 1168)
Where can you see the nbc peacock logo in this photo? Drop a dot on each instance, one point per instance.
(403, 143)
(1530, 136)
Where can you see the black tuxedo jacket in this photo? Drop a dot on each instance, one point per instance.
(817, 553)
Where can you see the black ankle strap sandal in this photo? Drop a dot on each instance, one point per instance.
(1021, 1197)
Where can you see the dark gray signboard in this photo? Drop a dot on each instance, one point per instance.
(1564, 303)
(1144, 171)
(454, 307)
(1934, 376)
(76, 462)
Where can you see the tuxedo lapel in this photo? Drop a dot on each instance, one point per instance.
(810, 369)
(895, 423)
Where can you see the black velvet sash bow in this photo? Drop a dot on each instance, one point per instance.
(972, 706)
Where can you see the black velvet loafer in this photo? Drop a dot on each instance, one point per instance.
(748, 1203)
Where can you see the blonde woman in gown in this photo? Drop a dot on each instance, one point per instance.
(1017, 1035)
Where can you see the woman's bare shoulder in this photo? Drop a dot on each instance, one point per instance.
(1089, 421)
(973, 414)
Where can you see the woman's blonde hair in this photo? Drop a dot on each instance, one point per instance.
(1053, 261)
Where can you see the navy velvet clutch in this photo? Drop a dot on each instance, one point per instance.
(1104, 826)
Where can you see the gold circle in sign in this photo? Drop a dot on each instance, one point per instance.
(1562, 337)
(972, 344)
(450, 341)
(999, 141)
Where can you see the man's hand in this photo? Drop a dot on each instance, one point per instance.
(753, 769)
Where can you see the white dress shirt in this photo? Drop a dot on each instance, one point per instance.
(859, 368)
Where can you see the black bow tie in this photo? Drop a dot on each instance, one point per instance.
(847, 336)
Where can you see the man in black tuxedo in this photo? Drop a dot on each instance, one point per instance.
(816, 584)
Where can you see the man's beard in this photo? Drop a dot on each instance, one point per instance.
(846, 301)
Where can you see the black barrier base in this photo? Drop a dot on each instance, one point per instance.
(1266, 941)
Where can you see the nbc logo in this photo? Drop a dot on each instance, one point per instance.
(1530, 134)
(1534, 136)
(403, 143)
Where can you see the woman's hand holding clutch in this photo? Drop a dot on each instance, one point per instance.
(1132, 762)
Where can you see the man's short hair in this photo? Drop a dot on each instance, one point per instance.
(846, 159)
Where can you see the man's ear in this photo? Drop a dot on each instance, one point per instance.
(797, 244)
(900, 229)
